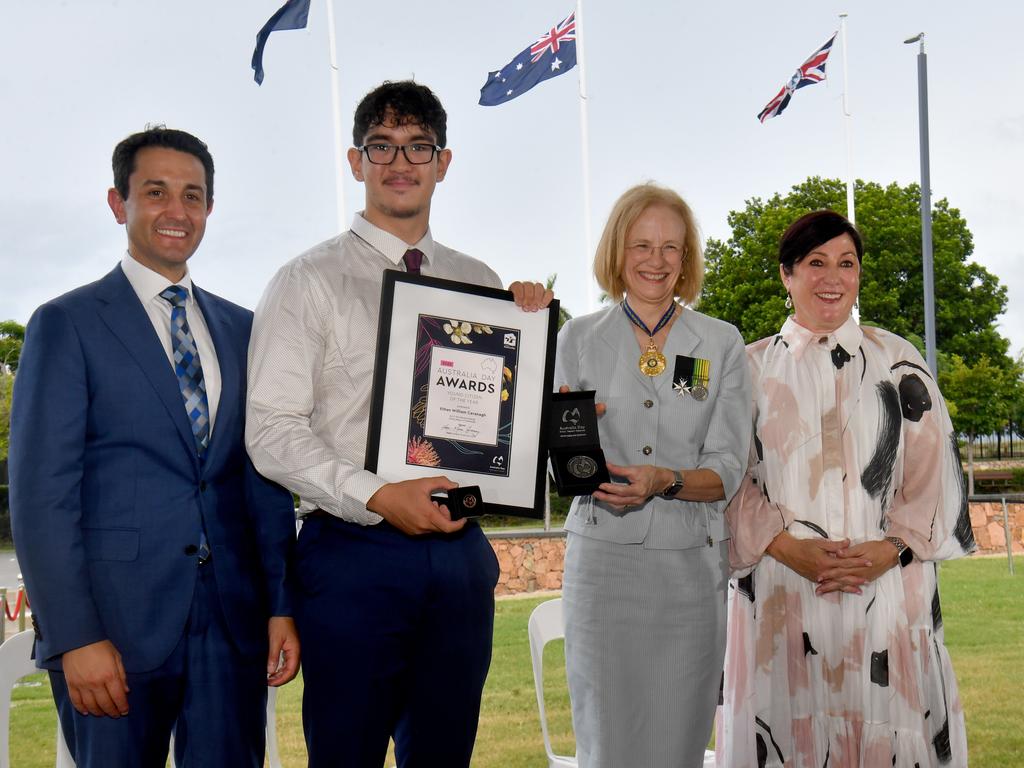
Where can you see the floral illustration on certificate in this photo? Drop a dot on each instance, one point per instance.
(463, 397)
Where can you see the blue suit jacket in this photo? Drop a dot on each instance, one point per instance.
(107, 491)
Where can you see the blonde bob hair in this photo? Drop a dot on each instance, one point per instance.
(610, 257)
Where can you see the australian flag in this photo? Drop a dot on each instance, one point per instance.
(292, 15)
(552, 55)
(810, 72)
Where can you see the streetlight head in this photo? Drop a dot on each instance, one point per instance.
(914, 39)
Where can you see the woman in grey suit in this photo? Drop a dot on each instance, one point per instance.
(646, 562)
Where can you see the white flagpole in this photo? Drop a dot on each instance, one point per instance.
(588, 254)
(339, 155)
(847, 120)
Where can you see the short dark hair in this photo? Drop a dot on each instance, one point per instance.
(814, 229)
(407, 103)
(123, 160)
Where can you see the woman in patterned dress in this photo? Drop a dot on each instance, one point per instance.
(853, 492)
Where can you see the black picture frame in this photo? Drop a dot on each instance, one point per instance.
(461, 387)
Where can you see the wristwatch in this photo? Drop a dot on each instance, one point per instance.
(906, 554)
(676, 487)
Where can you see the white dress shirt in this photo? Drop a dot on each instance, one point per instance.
(311, 361)
(148, 286)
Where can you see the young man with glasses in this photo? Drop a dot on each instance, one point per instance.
(396, 601)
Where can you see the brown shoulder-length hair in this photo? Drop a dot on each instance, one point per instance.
(609, 259)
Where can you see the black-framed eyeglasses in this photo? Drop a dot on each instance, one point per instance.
(385, 154)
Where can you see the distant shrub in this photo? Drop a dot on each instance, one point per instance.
(5, 519)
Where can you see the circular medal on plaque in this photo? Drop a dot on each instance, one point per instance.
(581, 467)
(469, 502)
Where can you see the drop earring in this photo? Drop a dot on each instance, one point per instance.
(789, 300)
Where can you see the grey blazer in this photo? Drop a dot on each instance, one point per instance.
(647, 422)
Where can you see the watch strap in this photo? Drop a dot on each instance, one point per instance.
(678, 483)
(906, 554)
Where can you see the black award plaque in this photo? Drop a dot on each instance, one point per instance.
(574, 445)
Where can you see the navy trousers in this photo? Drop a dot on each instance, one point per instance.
(212, 699)
(396, 642)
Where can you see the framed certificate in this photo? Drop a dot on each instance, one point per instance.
(461, 388)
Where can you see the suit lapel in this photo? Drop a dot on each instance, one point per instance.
(617, 332)
(230, 374)
(123, 314)
(681, 341)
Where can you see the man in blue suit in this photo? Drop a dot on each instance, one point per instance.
(154, 555)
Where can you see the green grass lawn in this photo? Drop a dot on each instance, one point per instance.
(983, 608)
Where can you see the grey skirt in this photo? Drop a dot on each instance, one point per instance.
(644, 647)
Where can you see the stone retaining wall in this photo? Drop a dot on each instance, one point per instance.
(532, 560)
(987, 522)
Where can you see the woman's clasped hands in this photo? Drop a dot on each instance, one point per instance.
(835, 566)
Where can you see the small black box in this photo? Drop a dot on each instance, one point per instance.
(574, 445)
(464, 501)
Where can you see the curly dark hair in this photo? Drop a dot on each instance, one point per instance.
(123, 160)
(814, 229)
(408, 102)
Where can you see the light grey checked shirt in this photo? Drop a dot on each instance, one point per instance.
(311, 360)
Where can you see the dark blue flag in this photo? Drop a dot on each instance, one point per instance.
(291, 15)
(552, 55)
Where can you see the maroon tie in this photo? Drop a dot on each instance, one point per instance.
(413, 258)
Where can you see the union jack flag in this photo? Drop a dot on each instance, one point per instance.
(563, 33)
(810, 72)
(553, 54)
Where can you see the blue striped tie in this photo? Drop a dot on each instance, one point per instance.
(188, 368)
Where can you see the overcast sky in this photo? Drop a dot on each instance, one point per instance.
(674, 90)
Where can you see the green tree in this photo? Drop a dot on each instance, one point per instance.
(742, 284)
(6, 385)
(979, 394)
(563, 313)
(12, 335)
(1014, 398)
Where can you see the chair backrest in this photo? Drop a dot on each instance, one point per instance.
(273, 758)
(546, 624)
(15, 663)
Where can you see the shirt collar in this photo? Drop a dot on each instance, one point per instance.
(391, 247)
(798, 338)
(147, 283)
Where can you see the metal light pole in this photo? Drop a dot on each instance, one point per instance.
(926, 207)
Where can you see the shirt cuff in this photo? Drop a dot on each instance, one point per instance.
(362, 484)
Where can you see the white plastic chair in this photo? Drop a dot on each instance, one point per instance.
(273, 758)
(547, 624)
(15, 663)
